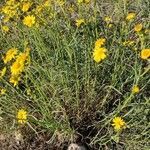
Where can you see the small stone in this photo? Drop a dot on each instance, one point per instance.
(76, 147)
(18, 137)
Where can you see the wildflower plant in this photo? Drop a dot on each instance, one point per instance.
(80, 68)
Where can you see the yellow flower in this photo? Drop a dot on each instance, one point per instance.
(110, 25)
(100, 42)
(145, 53)
(26, 6)
(14, 79)
(79, 22)
(118, 123)
(5, 28)
(29, 21)
(130, 16)
(22, 57)
(99, 54)
(11, 53)
(138, 27)
(2, 72)
(2, 91)
(17, 67)
(135, 89)
(6, 10)
(107, 19)
(47, 3)
(22, 116)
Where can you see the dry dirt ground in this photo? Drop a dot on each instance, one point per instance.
(15, 141)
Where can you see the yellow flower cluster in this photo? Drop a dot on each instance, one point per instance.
(32, 13)
(18, 67)
(18, 64)
(99, 52)
(13, 9)
(17, 9)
